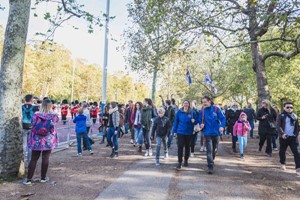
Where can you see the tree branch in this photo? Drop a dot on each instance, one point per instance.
(68, 10)
(265, 26)
(281, 54)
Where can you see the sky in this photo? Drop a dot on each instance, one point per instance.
(80, 43)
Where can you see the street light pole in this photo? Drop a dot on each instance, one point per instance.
(73, 74)
(104, 76)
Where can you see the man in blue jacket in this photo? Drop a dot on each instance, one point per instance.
(212, 123)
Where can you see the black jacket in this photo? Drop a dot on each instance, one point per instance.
(161, 126)
(264, 124)
(170, 113)
(281, 124)
(231, 117)
(251, 115)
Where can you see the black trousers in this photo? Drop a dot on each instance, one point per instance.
(34, 158)
(293, 143)
(183, 141)
(262, 139)
(64, 118)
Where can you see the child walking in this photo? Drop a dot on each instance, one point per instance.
(81, 131)
(241, 129)
(162, 127)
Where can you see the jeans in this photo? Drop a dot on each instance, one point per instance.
(104, 133)
(252, 128)
(211, 150)
(112, 136)
(202, 139)
(33, 162)
(242, 143)
(262, 139)
(158, 145)
(138, 132)
(183, 141)
(85, 138)
(87, 134)
(26, 150)
(193, 142)
(146, 135)
(274, 138)
(293, 143)
(170, 138)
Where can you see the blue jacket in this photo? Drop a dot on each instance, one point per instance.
(212, 120)
(80, 121)
(183, 122)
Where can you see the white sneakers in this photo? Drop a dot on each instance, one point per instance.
(192, 155)
(166, 156)
(282, 167)
(149, 152)
(298, 171)
(201, 148)
(131, 141)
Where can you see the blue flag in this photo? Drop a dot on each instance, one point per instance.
(207, 80)
(188, 77)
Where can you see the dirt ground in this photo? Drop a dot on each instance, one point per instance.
(78, 178)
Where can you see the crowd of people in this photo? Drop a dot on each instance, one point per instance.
(145, 122)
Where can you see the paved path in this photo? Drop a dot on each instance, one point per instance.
(144, 180)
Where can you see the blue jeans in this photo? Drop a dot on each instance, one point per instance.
(146, 134)
(138, 136)
(26, 150)
(242, 143)
(112, 136)
(85, 138)
(158, 145)
(211, 150)
(252, 127)
(170, 139)
(274, 138)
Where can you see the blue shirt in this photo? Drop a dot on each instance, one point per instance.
(80, 121)
(289, 129)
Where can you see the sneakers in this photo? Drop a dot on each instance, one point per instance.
(114, 155)
(275, 149)
(27, 182)
(157, 163)
(269, 155)
(44, 180)
(166, 156)
(282, 167)
(178, 166)
(150, 152)
(259, 149)
(234, 150)
(204, 149)
(131, 141)
(185, 164)
(91, 152)
(79, 154)
(192, 155)
(210, 171)
(201, 148)
(147, 152)
(242, 156)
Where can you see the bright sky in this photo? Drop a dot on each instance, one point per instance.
(80, 42)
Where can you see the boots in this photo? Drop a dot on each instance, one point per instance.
(115, 155)
(112, 153)
(140, 149)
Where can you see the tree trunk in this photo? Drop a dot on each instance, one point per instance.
(11, 77)
(154, 85)
(261, 77)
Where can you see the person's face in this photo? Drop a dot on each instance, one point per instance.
(234, 106)
(161, 114)
(243, 117)
(137, 106)
(249, 105)
(186, 105)
(206, 103)
(110, 106)
(145, 103)
(288, 108)
(264, 104)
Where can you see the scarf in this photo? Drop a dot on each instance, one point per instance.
(292, 117)
(112, 110)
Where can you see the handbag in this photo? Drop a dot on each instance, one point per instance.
(272, 125)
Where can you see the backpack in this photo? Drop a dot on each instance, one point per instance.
(27, 114)
(203, 117)
(43, 127)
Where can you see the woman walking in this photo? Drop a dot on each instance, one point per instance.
(267, 125)
(184, 126)
(42, 140)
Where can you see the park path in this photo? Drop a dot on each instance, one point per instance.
(144, 180)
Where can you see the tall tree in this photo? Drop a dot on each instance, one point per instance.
(239, 23)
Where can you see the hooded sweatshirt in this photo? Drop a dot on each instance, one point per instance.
(38, 142)
(241, 128)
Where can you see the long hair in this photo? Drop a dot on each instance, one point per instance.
(268, 103)
(140, 104)
(46, 106)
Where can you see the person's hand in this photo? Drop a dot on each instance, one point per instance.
(221, 129)
(193, 120)
(284, 136)
(202, 126)
(151, 138)
(264, 117)
(175, 134)
(116, 132)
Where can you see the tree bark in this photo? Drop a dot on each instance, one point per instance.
(260, 70)
(154, 85)
(11, 78)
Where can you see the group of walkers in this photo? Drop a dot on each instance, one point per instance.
(146, 123)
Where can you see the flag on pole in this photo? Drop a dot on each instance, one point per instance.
(213, 87)
(188, 77)
(207, 80)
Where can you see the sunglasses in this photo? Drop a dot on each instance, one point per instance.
(289, 107)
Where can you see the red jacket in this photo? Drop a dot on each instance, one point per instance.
(64, 110)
